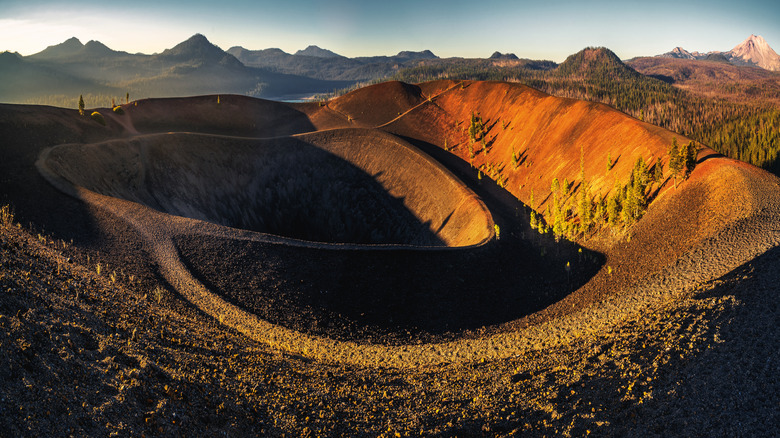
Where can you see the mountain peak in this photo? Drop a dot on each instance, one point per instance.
(595, 61)
(10, 57)
(72, 41)
(69, 47)
(97, 48)
(317, 53)
(594, 55)
(679, 53)
(755, 51)
(195, 47)
(425, 54)
(499, 55)
(195, 41)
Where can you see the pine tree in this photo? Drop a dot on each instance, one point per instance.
(613, 209)
(614, 204)
(598, 216)
(473, 128)
(641, 179)
(675, 161)
(557, 213)
(629, 205)
(81, 105)
(658, 172)
(584, 207)
(691, 151)
(584, 204)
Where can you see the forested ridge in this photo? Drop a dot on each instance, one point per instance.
(746, 129)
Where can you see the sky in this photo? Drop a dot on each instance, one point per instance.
(530, 29)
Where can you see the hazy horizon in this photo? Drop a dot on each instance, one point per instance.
(551, 31)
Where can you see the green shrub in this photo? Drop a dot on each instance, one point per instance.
(96, 116)
(118, 109)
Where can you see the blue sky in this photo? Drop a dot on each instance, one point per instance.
(537, 30)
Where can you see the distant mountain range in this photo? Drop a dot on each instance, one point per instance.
(320, 63)
(193, 67)
(754, 51)
(60, 73)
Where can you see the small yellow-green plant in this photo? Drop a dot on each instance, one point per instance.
(6, 215)
(96, 116)
(158, 294)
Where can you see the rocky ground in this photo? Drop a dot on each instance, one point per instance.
(88, 353)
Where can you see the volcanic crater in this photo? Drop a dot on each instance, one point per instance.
(342, 187)
(372, 219)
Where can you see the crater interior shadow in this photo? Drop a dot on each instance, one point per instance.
(289, 187)
(401, 296)
(282, 186)
(391, 297)
(293, 190)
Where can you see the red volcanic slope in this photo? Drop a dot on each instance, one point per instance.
(549, 134)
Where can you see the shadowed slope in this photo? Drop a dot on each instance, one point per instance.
(349, 186)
